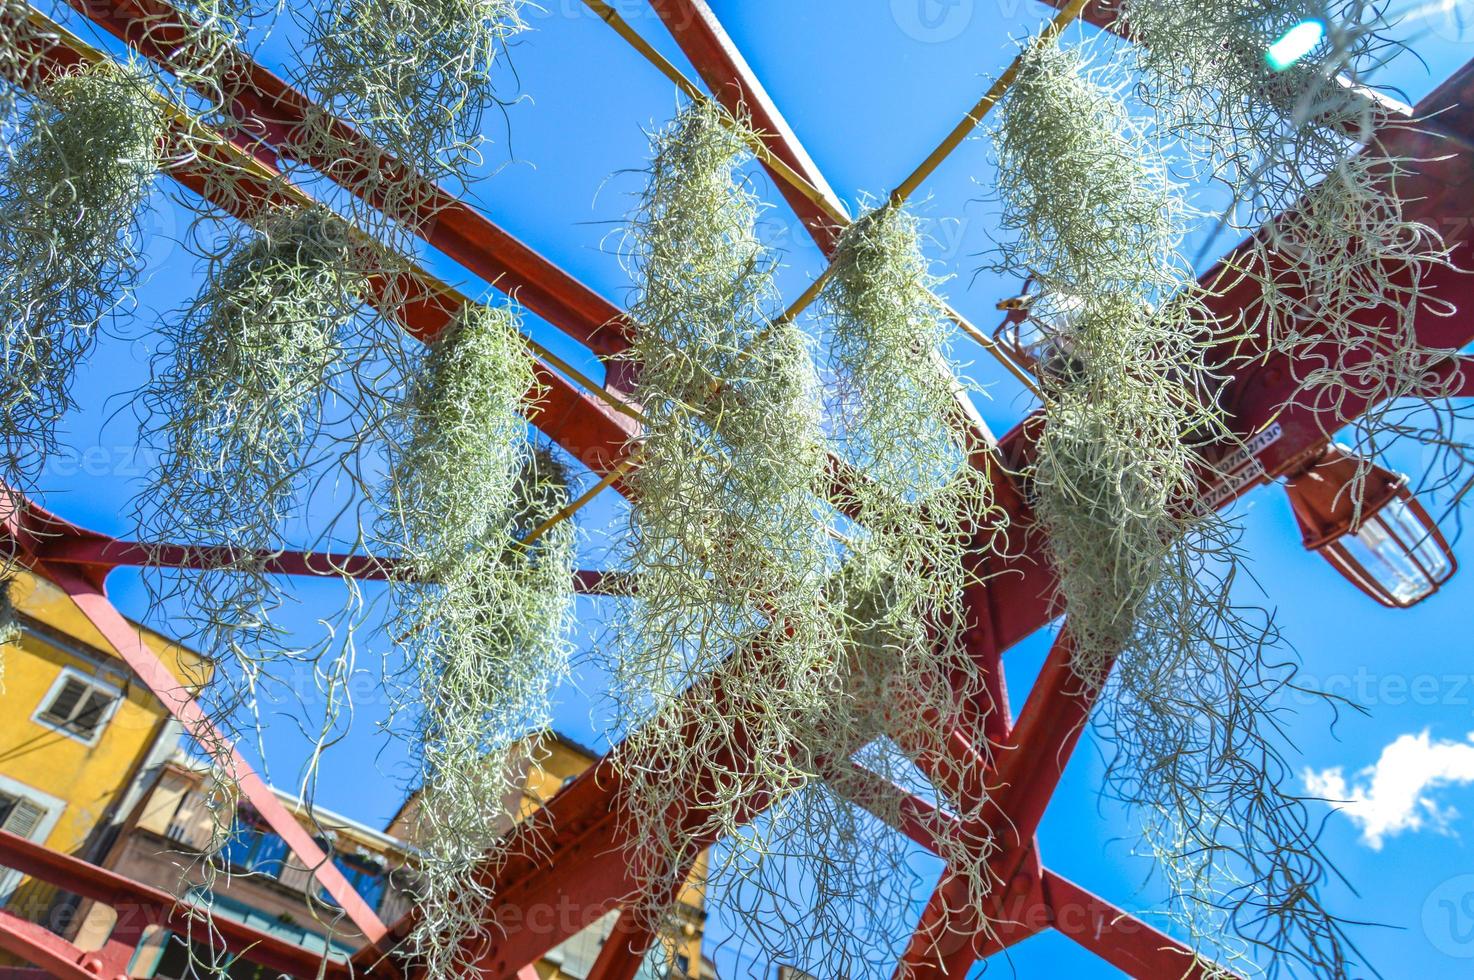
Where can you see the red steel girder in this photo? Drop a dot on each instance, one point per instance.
(732, 82)
(139, 906)
(60, 542)
(1123, 941)
(58, 958)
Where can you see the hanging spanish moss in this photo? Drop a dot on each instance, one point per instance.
(928, 518)
(1342, 271)
(235, 405)
(825, 878)
(71, 194)
(728, 538)
(1144, 574)
(458, 443)
(488, 639)
(416, 78)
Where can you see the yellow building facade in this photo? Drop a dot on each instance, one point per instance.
(78, 731)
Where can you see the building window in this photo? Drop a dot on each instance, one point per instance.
(367, 877)
(20, 816)
(257, 850)
(26, 813)
(78, 706)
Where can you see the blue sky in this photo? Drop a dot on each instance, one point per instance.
(870, 88)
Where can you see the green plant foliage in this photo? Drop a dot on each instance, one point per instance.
(416, 78)
(236, 403)
(1144, 575)
(488, 641)
(70, 197)
(1289, 141)
(926, 523)
(728, 539)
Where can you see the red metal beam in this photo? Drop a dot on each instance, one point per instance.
(139, 906)
(1119, 938)
(45, 949)
(624, 951)
(64, 543)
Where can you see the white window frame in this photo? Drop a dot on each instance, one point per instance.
(53, 806)
(116, 694)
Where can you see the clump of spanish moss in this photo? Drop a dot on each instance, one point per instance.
(459, 440)
(70, 197)
(926, 509)
(728, 539)
(1342, 270)
(1144, 574)
(488, 640)
(824, 877)
(236, 403)
(415, 78)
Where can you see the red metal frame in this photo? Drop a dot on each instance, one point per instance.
(138, 907)
(568, 859)
(24, 524)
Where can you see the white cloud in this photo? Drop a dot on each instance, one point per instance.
(1396, 794)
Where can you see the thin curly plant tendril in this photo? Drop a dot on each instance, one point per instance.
(70, 199)
(1144, 574)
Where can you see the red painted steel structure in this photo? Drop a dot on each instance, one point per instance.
(568, 859)
(137, 907)
(27, 529)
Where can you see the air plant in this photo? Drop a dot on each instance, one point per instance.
(481, 615)
(71, 195)
(458, 440)
(488, 640)
(236, 403)
(926, 509)
(415, 78)
(728, 539)
(1144, 573)
(1342, 270)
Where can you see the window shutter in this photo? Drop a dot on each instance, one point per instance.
(25, 819)
(89, 716)
(65, 703)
